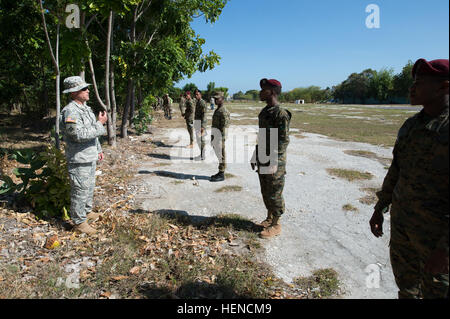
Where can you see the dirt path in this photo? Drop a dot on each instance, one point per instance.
(317, 232)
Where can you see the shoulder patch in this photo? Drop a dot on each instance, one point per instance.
(70, 120)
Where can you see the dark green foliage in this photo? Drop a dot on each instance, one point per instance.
(44, 183)
(144, 116)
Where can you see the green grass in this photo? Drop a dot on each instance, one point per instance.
(323, 283)
(371, 197)
(350, 175)
(380, 127)
(349, 207)
(230, 188)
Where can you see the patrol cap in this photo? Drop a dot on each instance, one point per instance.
(74, 84)
(438, 68)
(218, 94)
(271, 82)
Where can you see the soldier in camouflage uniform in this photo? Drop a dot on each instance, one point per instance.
(416, 187)
(181, 104)
(167, 105)
(81, 131)
(200, 123)
(189, 117)
(273, 119)
(220, 123)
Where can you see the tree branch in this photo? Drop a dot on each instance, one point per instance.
(55, 63)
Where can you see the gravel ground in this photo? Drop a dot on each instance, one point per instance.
(317, 233)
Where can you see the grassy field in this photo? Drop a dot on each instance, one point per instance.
(378, 126)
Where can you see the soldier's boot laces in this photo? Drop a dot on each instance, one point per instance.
(273, 230)
(268, 221)
(93, 216)
(85, 228)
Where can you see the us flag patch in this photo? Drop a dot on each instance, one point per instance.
(70, 120)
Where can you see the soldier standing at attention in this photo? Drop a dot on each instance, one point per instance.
(273, 119)
(181, 104)
(200, 123)
(167, 105)
(81, 131)
(417, 187)
(220, 123)
(189, 117)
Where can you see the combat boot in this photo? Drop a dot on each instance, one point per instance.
(219, 177)
(85, 228)
(273, 230)
(93, 216)
(268, 221)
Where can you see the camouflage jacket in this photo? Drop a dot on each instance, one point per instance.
(275, 117)
(417, 180)
(81, 131)
(221, 120)
(200, 112)
(181, 104)
(189, 110)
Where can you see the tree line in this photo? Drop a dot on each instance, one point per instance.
(368, 86)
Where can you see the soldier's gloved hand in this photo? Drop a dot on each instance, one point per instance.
(376, 224)
(102, 117)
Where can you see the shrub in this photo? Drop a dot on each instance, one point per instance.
(44, 184)
(145, 115)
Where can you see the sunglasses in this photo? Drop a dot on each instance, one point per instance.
(84, 89)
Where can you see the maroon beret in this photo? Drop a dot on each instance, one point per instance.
(433, 68)
(271, 82)
(188, 93)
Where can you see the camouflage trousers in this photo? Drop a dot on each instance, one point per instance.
(272, 186)
(409, 251)
(167, 112)
(82, 183)
(219, 149)
(190, 128)
(200, 138)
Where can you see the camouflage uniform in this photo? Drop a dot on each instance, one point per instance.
(221, 122)
(189, 117)
(181, 105)
(200, 123)
(81, 131)
(272, 184)
(417, 187)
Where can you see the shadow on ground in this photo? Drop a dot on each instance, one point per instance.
(182, 217)
(190, 290)
(176, 175)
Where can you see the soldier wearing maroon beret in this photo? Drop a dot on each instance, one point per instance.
(270, 155)
(416, 189)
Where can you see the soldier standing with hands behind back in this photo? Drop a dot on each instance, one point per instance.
(200, 123)
(189, 117)
(81, 131)
(220, 123)
(417, 187)
(273, 119)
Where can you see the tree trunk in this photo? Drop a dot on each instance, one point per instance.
(133, 104)
(58, 95)
(126, 110)
(110, 128)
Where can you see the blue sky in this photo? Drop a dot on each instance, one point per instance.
(321, 42)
